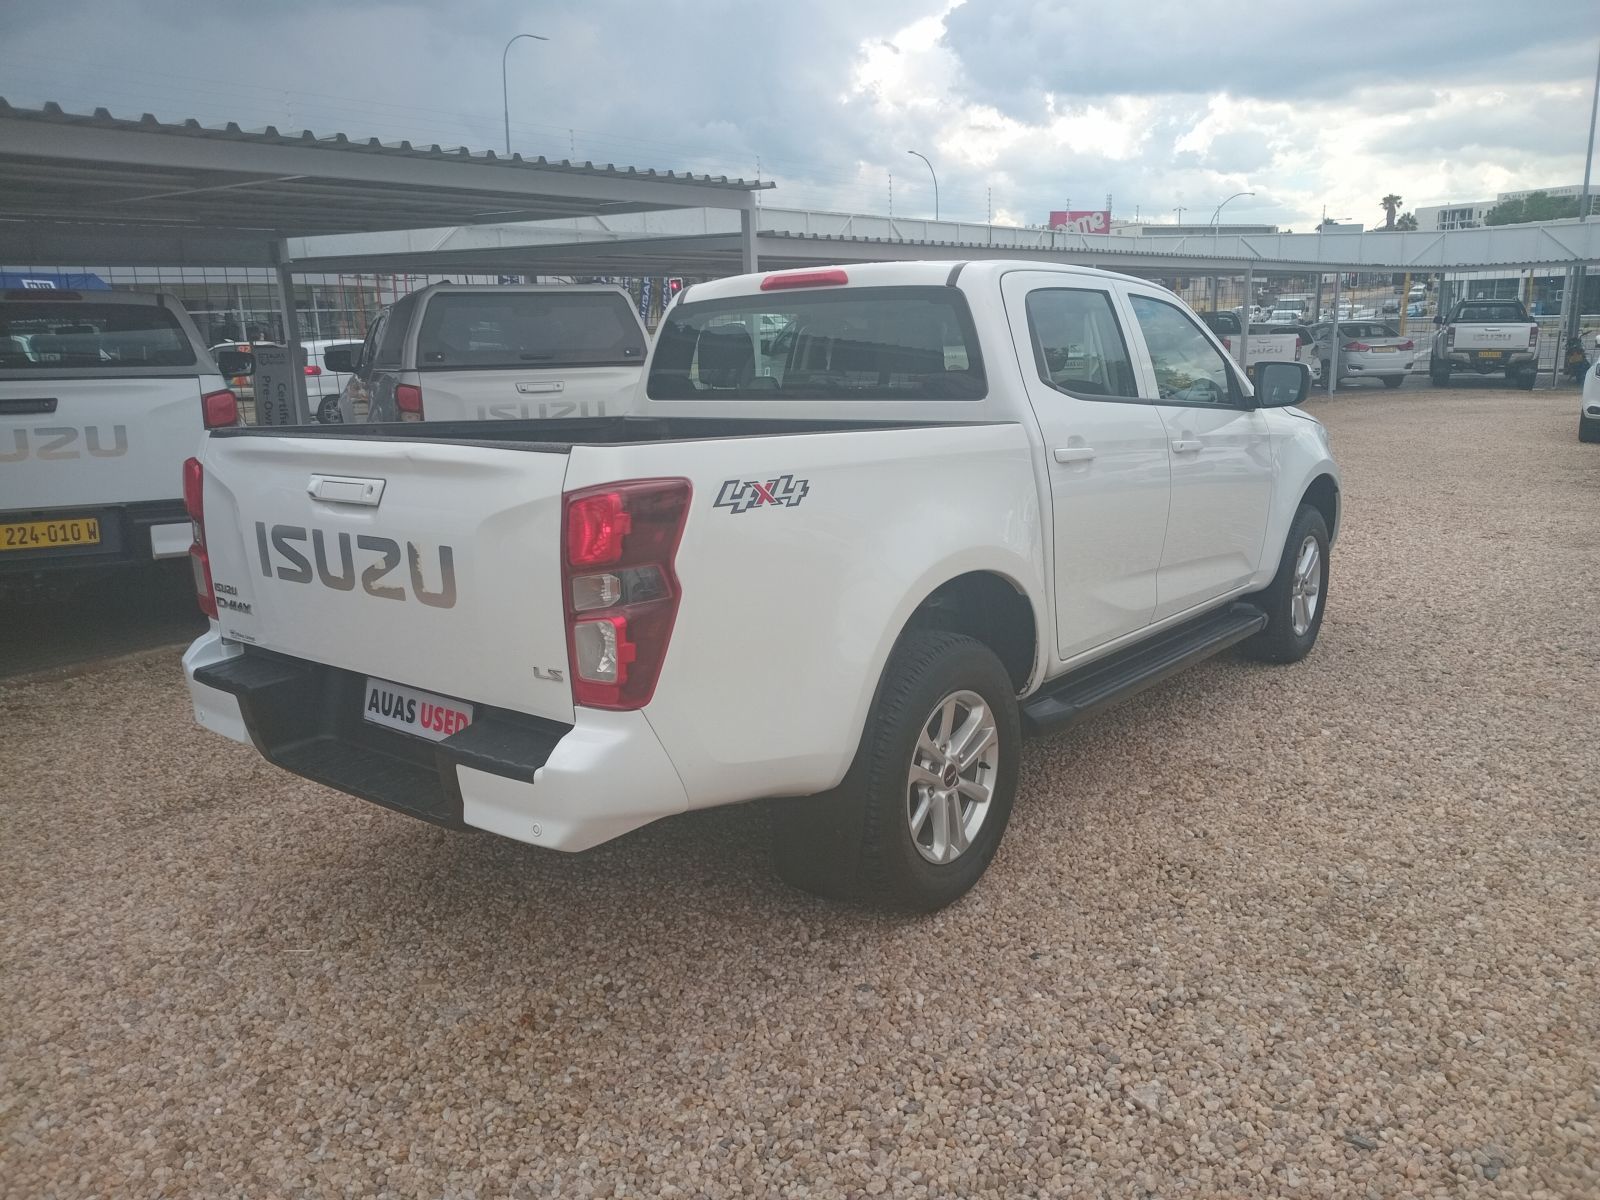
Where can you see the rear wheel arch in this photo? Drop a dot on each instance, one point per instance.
(989, 608)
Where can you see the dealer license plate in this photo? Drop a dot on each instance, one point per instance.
(41, 535)
(422, 714)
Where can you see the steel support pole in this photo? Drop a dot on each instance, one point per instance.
(1244, 318)
(749, 259)
(291, 328)
(1332, 381)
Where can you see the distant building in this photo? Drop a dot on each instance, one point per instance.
(1470, 214)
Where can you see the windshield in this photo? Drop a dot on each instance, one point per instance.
(482, 330)
(63, 334)
(891, 343)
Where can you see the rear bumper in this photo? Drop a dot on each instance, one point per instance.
(567, 787)
(1474, 360)
(129, 533)
(1377, 364)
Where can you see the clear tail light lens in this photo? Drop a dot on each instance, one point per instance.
(620, 618)
(194, 503)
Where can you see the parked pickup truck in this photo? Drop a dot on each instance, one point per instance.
(102, 397)
(1486, 337)
(1260, 346)
(475, 352)
(959, 504)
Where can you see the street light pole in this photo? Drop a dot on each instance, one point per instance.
(1217, 212)
(505, 96)
(1588, 161)
(924, 158)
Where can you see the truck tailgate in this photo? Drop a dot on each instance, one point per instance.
(1491, 337)
(543, 394)
(432, 565)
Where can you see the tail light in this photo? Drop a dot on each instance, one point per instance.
(1356, 346)
(408, 399)
(1533, 338)
(618, 546)
(219, 409)
(1450, 338)
(313, 369)
(832, 277)
(1408, 344)
(194, 503)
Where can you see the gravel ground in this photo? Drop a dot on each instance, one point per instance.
(1325, 930)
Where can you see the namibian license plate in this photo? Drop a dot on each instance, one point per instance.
(41, 535)
(1488, 354)
(420, 713)
(1383, 349)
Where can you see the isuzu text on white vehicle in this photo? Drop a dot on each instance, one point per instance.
(867, 526)
(102, 397)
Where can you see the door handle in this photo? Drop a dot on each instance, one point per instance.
(1185, 445)
(1072, 454)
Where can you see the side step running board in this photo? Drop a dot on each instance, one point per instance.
(1065, 701)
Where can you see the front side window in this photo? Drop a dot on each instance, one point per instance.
(1189, 369)
(76, 334)
(886, 343)
(1077, 343)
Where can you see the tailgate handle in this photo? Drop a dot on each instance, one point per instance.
(18, 408)
(346, 489)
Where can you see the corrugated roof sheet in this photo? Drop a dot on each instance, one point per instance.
(343, 143)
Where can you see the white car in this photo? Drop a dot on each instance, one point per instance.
(102, 397)
(486, 352)
(962, 503)
(1367, 350)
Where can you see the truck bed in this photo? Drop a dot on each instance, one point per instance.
(560, 436)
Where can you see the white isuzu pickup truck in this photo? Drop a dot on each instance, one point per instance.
(102, 397)
(866, 526)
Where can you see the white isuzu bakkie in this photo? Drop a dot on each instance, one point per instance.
(102, 397)
(866, 526)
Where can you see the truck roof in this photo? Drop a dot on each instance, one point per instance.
(921, 273)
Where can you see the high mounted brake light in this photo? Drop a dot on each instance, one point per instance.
(804, 279)
(620, 590)
(194, 503)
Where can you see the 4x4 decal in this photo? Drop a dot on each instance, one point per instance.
(741, 495)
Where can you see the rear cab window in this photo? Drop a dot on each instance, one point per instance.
(55, 335)
(863, 343)
(1488, 311)
(508, 330)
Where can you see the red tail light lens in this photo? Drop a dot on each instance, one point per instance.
(620, 619)
(804, 279)
(219, 409)
(408, 399)
(1357, 346)
(194, 503)
(1408, 344)
(313, 369)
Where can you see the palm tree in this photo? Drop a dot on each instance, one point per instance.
(1406, 223)
(1391, 205)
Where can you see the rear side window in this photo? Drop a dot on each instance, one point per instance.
(890, 343)
(1077, 343)
(73, 335)
(463, 330)
(1492, 312)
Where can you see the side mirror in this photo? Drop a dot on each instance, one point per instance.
(235, 362)
(342, 360)
(1437, 319)
(1281, 384)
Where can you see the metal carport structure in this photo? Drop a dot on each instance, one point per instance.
(136, 192)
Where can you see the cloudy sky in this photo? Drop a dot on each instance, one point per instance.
(1023, 105)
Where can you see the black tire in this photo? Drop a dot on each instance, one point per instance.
(328, 411)
(1524, 379)
(1327, 375)
(855, 843)
(1439, 375)
(1393, 381)
(1278, 642)
(1589, 429)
